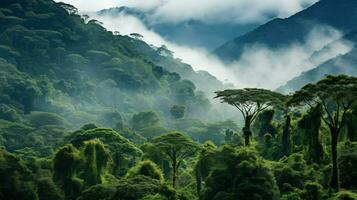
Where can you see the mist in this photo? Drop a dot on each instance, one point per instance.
(208, 11)
(259, 66)
(198, 58)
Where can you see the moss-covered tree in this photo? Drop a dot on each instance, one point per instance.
(97, 158)
(65, 165)
(310, 124)
(146, 168)
(336, 94)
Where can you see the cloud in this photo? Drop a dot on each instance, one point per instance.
(210, 11)
(242, 11)
(259, 66)
(199, 58)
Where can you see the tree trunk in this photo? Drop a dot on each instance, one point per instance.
(198, 182)
(246, 130)
(334, 177)
(247, 133)
(174, 166)
(351, 127)
(286, 136)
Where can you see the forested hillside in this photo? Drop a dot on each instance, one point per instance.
(280, 33)
(86, 113)
(72, 63)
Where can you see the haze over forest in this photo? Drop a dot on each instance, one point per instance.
(178, 100)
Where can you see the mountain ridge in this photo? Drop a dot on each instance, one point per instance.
(189, 32)
(283, 32)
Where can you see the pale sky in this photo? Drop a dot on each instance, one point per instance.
(240, 11)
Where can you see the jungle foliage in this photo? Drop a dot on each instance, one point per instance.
(90, 114)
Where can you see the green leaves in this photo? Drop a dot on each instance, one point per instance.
(250, 96)
(146, 168)
(175, 142)
(251, 101)
(97, 160)
(240, 174)
(175, 147)
(341, 89)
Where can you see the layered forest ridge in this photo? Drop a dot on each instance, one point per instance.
(90, 114)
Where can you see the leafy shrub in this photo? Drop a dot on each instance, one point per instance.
(242, 175)
(16, 180)
(347, 163)
(145, 119)
(140, 186)
(146, 168)
(38, 119)
(96, 192)
(344, 195)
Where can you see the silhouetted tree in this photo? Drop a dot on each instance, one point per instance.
(336, 94)
(286, 140)
(351, 125)
(310, 123)
(137, 36)
(250, 102)
(177, 111)
(264, 123)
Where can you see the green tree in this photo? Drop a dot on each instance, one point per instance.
(204, 164)
(286, 140)
(144, 119)
(310, 124)
(336, 94)
(351, 125)
(47, 190)
(175, 147)
(65, 165)
(313, 191)
(100, 191)
(240, 174)
(347, 162)
(38, 119)
(250, 102)
(17, 181)
(137, 36)
(146, 168)
(177, 111)
(264, 123)
(123, 152)
(97, 158)
(138, 187)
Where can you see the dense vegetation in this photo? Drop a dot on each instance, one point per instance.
(90, 114)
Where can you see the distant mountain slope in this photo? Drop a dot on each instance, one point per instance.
(342, 64)
(340, 14)
(190, 32)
